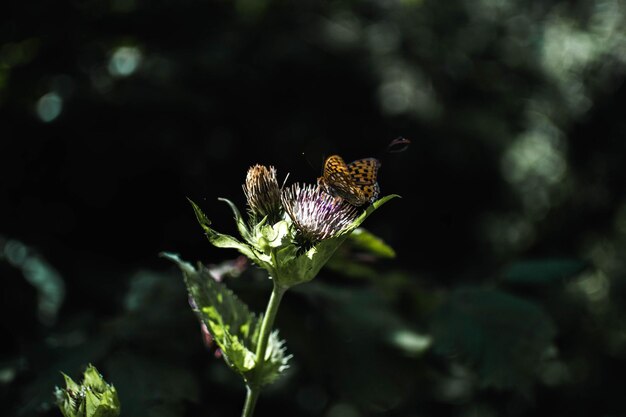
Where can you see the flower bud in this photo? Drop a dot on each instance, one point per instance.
(263, 194)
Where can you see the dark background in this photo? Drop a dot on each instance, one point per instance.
(509, 236)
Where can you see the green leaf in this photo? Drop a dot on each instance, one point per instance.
(202, 218)
(276, 235)
(226, 241)
(92, 398)
(543, 271)
(241, 224)
(344, 262)
(269, 238)
(234, 328)
(275, 363)
(501, 336)
(372, 208)
(93, 379)
(228, 319)
(70, 384)
(367, 241)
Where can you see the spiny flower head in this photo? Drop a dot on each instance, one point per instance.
(263, 194)
(316, 214)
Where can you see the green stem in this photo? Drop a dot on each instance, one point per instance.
(253, 390)
(268, 322)
(252, 394)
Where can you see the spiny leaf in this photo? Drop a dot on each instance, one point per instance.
(226, 241)
(223, 313)
(275, 363)
(232, 325)
(93, 379)
(202, 218)
(92, 398)
(241, 224)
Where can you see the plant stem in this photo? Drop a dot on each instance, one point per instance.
(252, 394)
(253, 390)
(268, 322)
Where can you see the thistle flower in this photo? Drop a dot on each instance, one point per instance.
(316, 214)
(292, 249)
(263, 194)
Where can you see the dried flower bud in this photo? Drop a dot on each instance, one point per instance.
(263, 194)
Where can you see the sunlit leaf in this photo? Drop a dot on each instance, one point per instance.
(226, 241)
(275, 363)
(228, 319)
(93, 397)
(233, 326)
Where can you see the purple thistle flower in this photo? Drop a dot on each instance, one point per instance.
(316, 214)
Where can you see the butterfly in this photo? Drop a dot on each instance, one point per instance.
(354, 182)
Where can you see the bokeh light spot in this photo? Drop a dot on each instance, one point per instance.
(342, 30)
(124, 61)
(595, 286)
(410, 342)
(42, 276)
(535, 154)
(49, 107)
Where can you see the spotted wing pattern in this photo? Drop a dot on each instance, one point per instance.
(364, 174)
(354, 182)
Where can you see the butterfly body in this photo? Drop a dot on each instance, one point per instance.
(354, 182)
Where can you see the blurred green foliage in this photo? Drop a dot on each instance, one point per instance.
(506, 293)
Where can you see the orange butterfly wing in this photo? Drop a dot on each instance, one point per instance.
(364, 173)
(354, 182)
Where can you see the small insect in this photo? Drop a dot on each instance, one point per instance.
(354, 182)
(399, 144)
